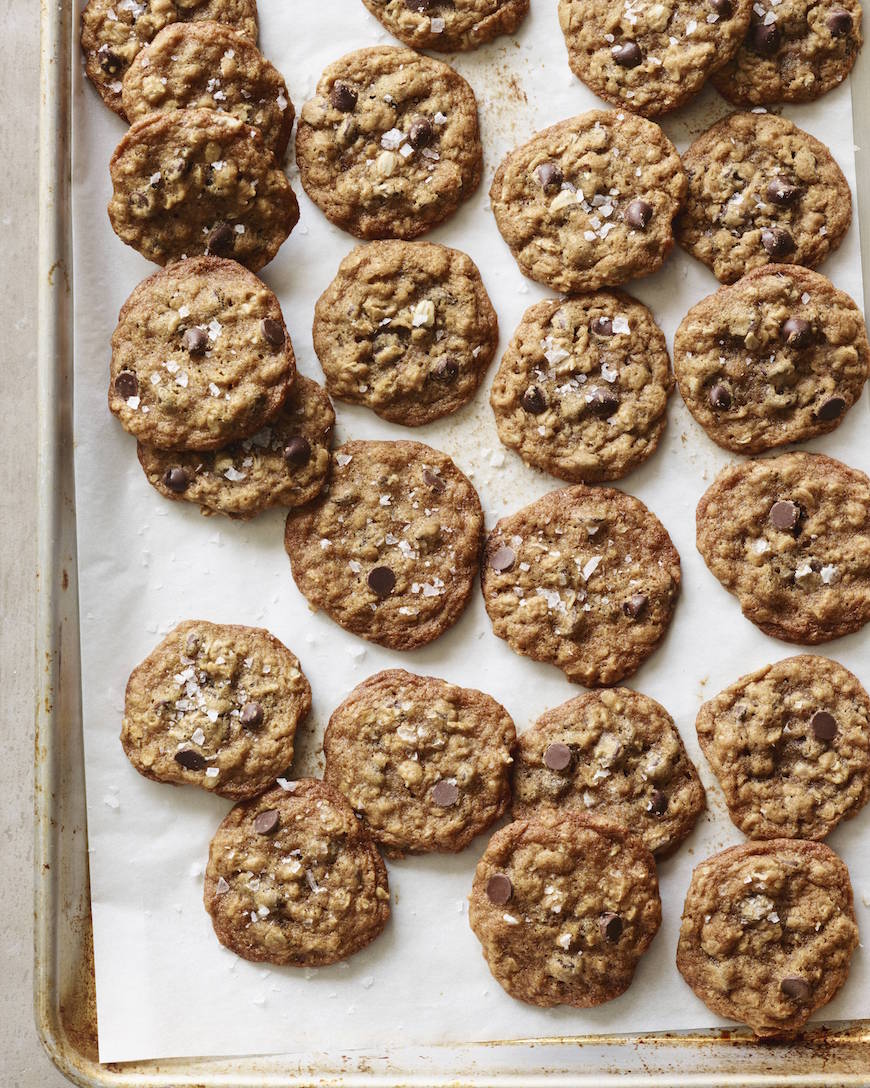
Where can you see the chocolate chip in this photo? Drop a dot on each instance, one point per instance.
(267, 821)
(823, 725)
(444, 369)
(503, 558)
(297, 452)
(499, 889)
(603, 402)
(433, 480)
(273, 332)
(635, 606)
(831, 409)
(557, 757)
(419, 5)
(221, 239)
(533, 400)
(795, 987)
(251, 714)
(627, 55)
(420, 133)
(784, 515)
(549, 175)
(610, 925)
(797, 332)
(194, 341)
(176, 479)
(445, 793)
(638, 214)
(720, 397)
(343, 98)
(126, 384)
(722, 8)
(381, 581)
(601, 326)
(782, 192)
(777, 242)
(111, 63)
(764, 38)
(190, 760)
(658, 803)
(839, 23)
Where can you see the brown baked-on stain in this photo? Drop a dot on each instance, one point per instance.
(78, 1007)
(64, 579)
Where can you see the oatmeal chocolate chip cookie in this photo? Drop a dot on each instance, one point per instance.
(424, 763)
(215, 706)
(767, 933)
(407, 329)
(389, 146)
(790, 745)
(448, 26)
(294, 879)
(794, 51)
(761, 191)
(778, 357)
(198, 181)
(653, 56)
(206, 65)
(590, 201)
(583, 387)
(113, 32)
(585, 579)
(284, 464)
(789, 536)
(616, 755)
(200, 356)
(390, 549)
(564, 906)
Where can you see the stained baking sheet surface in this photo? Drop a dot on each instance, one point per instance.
(165, 987)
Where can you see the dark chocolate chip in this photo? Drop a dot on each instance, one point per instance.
(297, 452)
(195, 341)
(557, 757)
(433, 480)
(839, 23)
(503, 558)
(419, 5)
(110, 62)
(764, 38)
(627, 55)
(795, 987)
(610, 925)
(549, 175)
(126, 384)
(267, 821)
(658, 803)
(723, 8)
(273, 332)
(720, 397)
(635, 606)
(190, 760)
(784, 515)
(343, 97)
(782, 192)
(421, 133)
(221, 239)
(823, 725)
(832, 408)
(381, 581)
(176, 479)
(638, 214)
(777, 242)
(601, 326)
(797, 332)
(444, 369)
(499, 889)
(251, 714)
(533, 400)
(603, 402)
(445, 793)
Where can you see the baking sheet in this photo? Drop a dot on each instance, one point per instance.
(165, 987)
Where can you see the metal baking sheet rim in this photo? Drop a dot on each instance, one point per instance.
(64, 1000)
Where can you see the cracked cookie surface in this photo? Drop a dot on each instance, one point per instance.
(615, 755)
(294, 879)
(448, 26)
(564, 907)
(761, 191)
(767, 933)
(583, 388)
(406, 329)
(215, 706)
(790, 745)
(200, 356)
(206, 65)
(425, 763)
(390, 548)
(778, 357)
(789, 536)
(197, 181)
(389, 146)
(585, 579)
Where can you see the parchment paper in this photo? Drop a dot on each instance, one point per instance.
(164, 985)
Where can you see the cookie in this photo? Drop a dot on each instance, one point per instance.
(112, 33)
(198, 181)
(205, 65)
(564, 907)
(790, 745)
(448, 26)
(284, 464)
(761, 191)
(789, 536)
(615, 755)
(200, 356)
(215, 705)
(767, 933)
(407, 329)
(778, 357)
(294, 879)
(389, 146)
(589, 202)
(794, 51)
(390, 549)
(582, 390)
(654, 57)
(425, 764)
(585, 578)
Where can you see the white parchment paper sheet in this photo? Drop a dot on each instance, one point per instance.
(164, 985)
